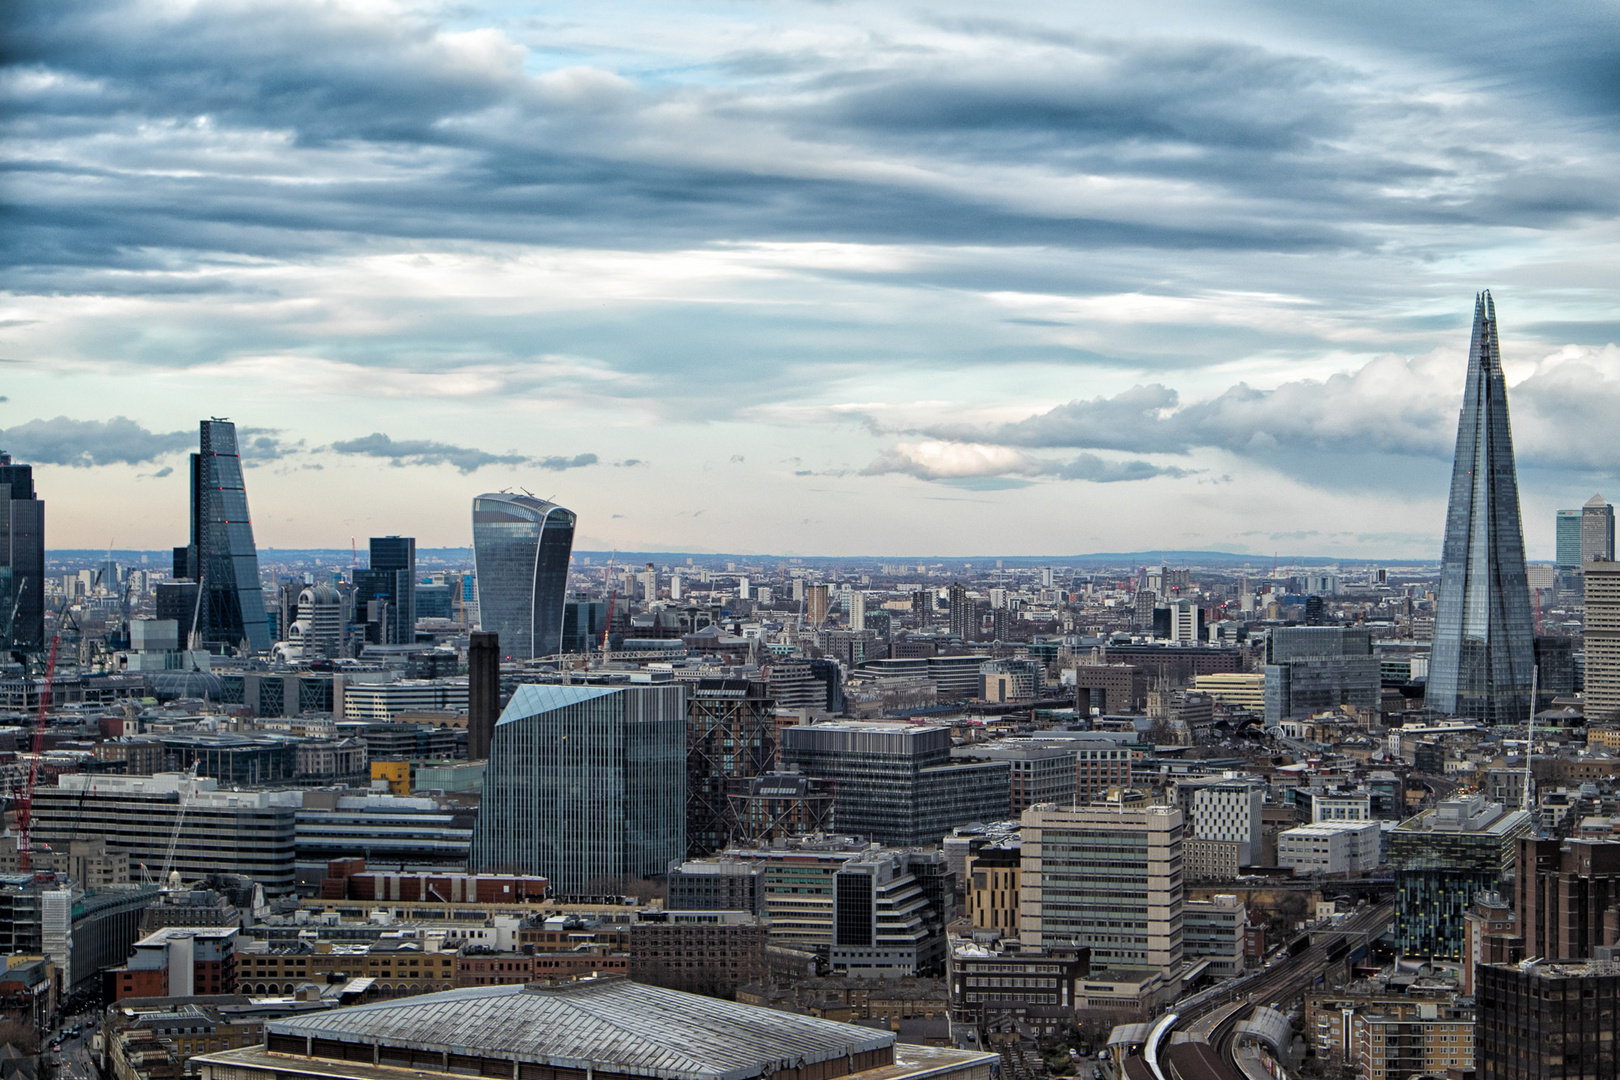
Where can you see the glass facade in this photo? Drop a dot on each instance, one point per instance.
(1310, 669)
(521, 547)
(1568, 538)
(221, 557)
(585, 785)
(1483, 649)
(22, 559)
(391, 576)
(895, 783)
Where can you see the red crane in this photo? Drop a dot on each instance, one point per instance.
(25, 805)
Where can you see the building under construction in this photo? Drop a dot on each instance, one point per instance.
(731, 740)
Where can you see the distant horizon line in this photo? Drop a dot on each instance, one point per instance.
(1156, 555)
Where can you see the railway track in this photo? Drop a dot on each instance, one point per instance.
(1211, 1017)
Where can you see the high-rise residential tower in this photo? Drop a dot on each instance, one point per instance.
(1483, 649)
(1602, 641)
(22, 559)
(221, 558)
(521, 547)
(1597, 531)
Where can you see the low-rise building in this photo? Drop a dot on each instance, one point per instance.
(606, 1026)
(1345, 847)
(700, 952)
(1213, 930)
(1001, 996)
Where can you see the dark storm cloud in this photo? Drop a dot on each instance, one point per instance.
(465, 459)
(85, 443)
(400, 130)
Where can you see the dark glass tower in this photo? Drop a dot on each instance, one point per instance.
(221, 557)
(391, 577)
(521, 547)
(22, 560)
(1484, 639)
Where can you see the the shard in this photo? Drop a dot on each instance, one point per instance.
(1484, 640)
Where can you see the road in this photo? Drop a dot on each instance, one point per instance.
(72, 1056)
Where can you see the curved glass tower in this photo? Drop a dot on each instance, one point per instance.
(1484, 639)
(521, 547)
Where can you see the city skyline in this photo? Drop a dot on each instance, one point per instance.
(807, 280)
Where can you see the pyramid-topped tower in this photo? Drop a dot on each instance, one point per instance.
(1484, 639)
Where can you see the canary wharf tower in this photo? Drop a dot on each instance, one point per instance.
(1484, 645)
(521, 547)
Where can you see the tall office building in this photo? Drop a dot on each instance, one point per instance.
(221, 558)
(1310, 669)
(1601, 637)
(483, 692)
(390, 582)
(857, 610)
(585, 785)
(1538, 1020)
(1442, 858)
(1597, 531)
(1567, 532)
(22, 559)
(896, 783)
(961, 610)
(1105, 877)
(521, 547)
(1483, 649)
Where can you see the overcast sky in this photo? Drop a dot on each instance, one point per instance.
(809, 278)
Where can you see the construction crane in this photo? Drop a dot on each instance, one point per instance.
(25, 805)
(179, 820)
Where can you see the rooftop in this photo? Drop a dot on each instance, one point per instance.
(604, 1023)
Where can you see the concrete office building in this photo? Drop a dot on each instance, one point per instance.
(222, 832)
(1441, 859)
(1602, 641)
(1231, 810)
(717, 885)
(521, 547)
(1597, 531)
(1040, 771)
(884, 922)
(1105, 877)
(1339, 847)
(1214, 930)
(895, 783)
(585, 785)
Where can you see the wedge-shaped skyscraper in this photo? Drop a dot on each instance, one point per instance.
(221, 558)
(1484, 639)
(521, 547)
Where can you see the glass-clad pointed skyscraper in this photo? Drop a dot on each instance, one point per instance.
(521, 547)
(1484, 639)
(221, 557)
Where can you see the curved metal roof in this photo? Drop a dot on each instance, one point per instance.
(607, 1023)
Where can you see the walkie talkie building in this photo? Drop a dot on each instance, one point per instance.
(221, 557)
(1484, 639)
(521, 547)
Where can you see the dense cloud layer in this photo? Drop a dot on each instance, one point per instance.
(1138, 250)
